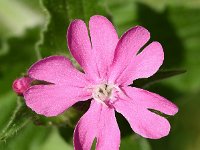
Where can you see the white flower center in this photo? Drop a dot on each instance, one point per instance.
(104, 92)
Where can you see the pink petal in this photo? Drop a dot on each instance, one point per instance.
(108, 137)
(86, 128)
(80, 47)
(144, 64)
(58, 70)
(151, 100)
(142, 121)
(127, 48)
(51, 100)
(104, 40)
(134, 107)
(100, 122)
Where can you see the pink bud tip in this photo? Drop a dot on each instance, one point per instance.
(20, 85)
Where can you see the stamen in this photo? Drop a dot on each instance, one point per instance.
(104, 92)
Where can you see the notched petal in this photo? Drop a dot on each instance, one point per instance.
(58, 70)
(135, 105)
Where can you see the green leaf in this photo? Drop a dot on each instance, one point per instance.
(134, 142)
(7, 105)
(20, 53)
(20, 117)
(59, 14)
(54, 141)
(30, 138)
(69, 118)
(160, 75)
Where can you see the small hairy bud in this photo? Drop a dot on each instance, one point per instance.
(20, 85)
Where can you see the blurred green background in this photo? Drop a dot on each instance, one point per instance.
(30, 30)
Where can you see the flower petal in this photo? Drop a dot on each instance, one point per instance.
(86, 128)
(143, 122)
(143, 65)
(108, 131)
(80, 47)
(58, 70)
(127, 48)
(150, 100)
(100, 122)
(51, 100)
(134, 107)
(104, 40)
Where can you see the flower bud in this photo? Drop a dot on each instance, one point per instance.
(20, 85)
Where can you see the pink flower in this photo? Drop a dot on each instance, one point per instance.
(110, 64)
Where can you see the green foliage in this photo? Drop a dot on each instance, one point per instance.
(158, 76)
(20, 117)
(134, 142)
(19, 56)
(30, 138)
(59, 15)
